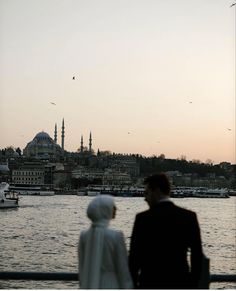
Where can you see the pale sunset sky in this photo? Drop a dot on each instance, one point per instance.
(151, 76)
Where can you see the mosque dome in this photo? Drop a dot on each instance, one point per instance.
(42, 136)
(42, 146)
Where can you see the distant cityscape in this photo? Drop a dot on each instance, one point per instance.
(44, 162)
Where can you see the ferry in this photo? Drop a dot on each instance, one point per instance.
(39, 190)
(115, 190)
(94, 190)
(82, 191)
(8, 199)
(124, 191)
(199, 192)
(212, 193)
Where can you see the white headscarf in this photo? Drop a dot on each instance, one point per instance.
(100, 212)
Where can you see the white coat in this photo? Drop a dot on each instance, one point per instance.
(103, 262)
(114, 266)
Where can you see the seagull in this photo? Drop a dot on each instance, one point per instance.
(229, 129)
(53, 103)
(232, 4)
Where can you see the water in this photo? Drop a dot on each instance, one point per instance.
(42, 235)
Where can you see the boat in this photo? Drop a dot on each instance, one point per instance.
(94, 190)
(82, 191)
(232, 192)
(45, 193)
(124, 191)
(8, 199)
(115, 190)
(199, 192)
(212, 193)
(65, 191)
(32, 190)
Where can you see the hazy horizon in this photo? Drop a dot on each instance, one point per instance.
(151, 77)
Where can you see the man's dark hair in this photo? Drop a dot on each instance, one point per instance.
(160, 181)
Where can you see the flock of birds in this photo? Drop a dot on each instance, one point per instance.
(190, 102)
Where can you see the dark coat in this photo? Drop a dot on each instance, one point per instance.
(161, 240)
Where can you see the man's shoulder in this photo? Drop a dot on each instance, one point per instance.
(170, 206)
(166, 207)
(185, 212)
(143, 214)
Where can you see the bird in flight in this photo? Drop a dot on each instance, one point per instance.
(229, 129)
(232, 4)
(53, 103)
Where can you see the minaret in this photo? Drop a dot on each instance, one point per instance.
(62, 134)
(55, 134)
(90, 142)
(81, 144)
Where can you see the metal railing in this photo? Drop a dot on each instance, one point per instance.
(39, 276)
(206, 277)
(67, 276)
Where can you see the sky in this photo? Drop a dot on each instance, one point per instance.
(151, 76)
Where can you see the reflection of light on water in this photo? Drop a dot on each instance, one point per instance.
(42, 235)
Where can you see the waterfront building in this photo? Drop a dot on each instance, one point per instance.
(114, 177)
(108, 176)
(28, 176)
(88, 173)
(62, 179)
(125, 163)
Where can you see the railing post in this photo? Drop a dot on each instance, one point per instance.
(204, 281)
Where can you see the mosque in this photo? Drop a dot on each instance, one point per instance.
(44, 147)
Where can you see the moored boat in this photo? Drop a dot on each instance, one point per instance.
(199, 192)
(116, 190)
(94, 190)
(32, 190)
(82, 191)
(212, 193)
(8, 199)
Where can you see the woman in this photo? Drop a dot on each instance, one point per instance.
(103, 262)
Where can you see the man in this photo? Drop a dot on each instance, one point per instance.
(161, 239)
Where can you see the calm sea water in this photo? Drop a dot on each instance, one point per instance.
(42, 235)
